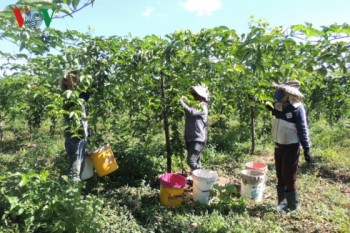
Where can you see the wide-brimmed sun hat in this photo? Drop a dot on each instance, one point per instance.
(290, 87)
(293, 83)
(201, 90)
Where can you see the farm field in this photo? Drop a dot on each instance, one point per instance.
(37, 197)
(130, 89)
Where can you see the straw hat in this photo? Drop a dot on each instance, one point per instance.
(201, 90)
(293, 83)
(290, 87)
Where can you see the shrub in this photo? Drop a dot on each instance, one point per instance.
(37, 203)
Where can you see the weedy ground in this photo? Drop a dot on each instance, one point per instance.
(128, 199)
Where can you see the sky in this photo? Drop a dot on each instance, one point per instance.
(161, 17)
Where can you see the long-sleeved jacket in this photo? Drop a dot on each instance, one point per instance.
(196, 123)
(290, 126)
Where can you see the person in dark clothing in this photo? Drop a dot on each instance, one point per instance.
(196, 130)
(76, 132)
(290, 132)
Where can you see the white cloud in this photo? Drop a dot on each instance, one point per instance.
(148, 11)
(162, 15)
(202, 7)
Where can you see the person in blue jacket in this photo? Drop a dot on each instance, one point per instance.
(290, 133)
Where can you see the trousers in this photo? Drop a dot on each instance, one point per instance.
(194, 150)
(286, 164)
(76, 150)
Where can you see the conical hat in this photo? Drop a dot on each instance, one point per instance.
(201, 90)
(293, 83)
(290, 89)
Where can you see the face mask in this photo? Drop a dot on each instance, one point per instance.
(279, 94)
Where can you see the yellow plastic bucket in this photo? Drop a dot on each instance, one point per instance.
(103, 160)
(171, 189)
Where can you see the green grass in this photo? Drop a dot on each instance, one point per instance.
(128, 200)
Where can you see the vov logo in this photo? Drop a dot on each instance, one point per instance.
(32, 17)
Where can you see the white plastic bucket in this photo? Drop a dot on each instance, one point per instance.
(252, 184)
(203, 181)
(88, 169)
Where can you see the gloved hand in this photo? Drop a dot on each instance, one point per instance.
(307, 155)
(183, 99)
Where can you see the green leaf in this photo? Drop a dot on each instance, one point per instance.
(13, 201)
(23, 45)
(238, 68)
(73, 115)
(33, 174)
(34, 2)
(68, 93)
(68, 2)
(24, 180)
(298, 27)
(20, 211)
(66, 11)
(75, 4)
(43, 175)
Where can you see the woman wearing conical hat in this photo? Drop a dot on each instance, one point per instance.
(290, 133)
(196, 130)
